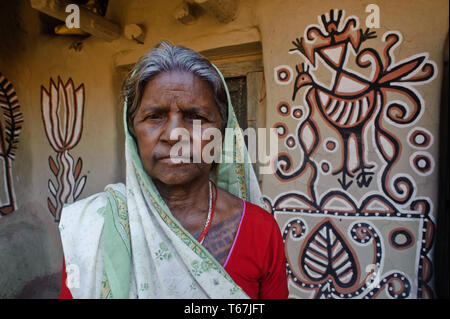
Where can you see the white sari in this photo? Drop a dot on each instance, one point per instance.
(125, 243)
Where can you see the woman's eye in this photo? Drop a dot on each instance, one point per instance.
(153, 116)
(196, 117)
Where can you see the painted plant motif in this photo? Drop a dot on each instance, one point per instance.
(62, 112)
(368, 94)
(9, 138)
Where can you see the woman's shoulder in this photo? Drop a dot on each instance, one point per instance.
(94, 199)
(258, 216)
(88, 210)
(81, 225)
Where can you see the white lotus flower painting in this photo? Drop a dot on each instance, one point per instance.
(62, 112)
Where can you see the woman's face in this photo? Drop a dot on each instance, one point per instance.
(173, 100)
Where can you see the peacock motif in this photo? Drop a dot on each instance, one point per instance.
(341, 240)
(353, 101)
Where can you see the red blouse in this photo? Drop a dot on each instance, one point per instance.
(256, 261)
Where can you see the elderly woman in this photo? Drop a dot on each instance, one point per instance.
(176, 229)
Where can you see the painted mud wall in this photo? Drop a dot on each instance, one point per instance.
(57, 158)
(355, 189)
(357, 113)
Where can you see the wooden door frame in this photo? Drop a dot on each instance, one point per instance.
(245, 60)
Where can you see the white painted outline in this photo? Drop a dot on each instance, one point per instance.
(418, 147)
(275, 74)
(426, 154)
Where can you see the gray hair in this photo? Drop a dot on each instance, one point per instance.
(165, 58)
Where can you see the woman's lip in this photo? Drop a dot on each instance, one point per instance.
(175, 160)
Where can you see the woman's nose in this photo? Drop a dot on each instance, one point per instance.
(173, 128)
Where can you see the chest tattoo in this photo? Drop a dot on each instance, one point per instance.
(220, 237)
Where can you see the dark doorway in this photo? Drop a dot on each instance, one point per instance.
(237, 87)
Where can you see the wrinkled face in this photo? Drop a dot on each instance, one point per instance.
(173, 100)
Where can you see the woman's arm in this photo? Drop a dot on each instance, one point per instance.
(274, 281)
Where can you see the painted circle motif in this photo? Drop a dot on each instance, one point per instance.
(297, 113)
(281, 128)
(420, 138)
(325, 166)
(401, 238)
(283, 108)
(290, 142)
(283, 74)
(330, 145)
(422, 163)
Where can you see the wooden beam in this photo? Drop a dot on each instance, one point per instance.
(237, 60)
(89, 22)
(224, 11)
